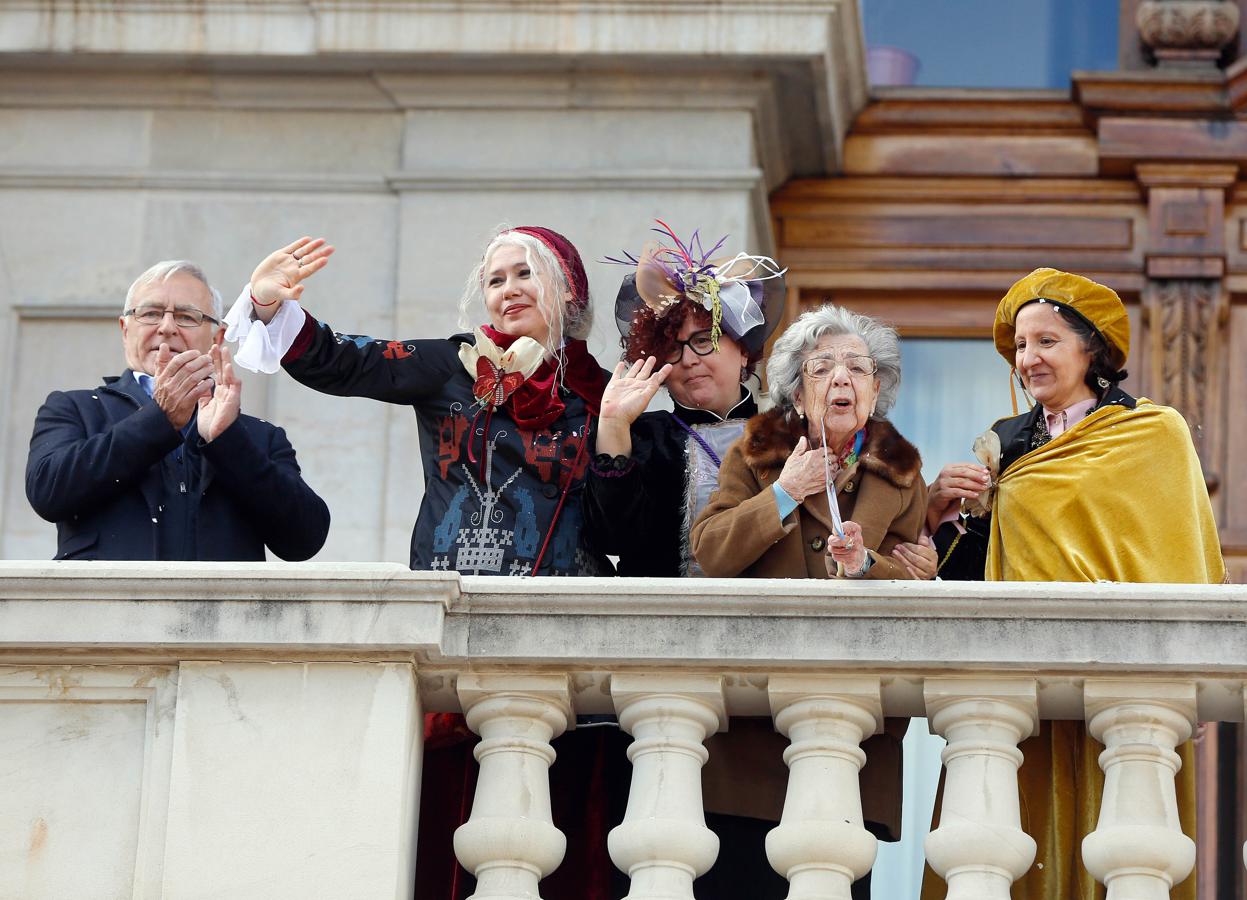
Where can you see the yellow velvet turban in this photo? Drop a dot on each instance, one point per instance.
(1096, 303)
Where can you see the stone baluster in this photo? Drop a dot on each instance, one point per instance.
(663, 842)
(980, 848)
(821, 845)
(1138, 850)
(510, 843)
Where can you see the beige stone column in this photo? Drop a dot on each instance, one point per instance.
(1138, 850)
(980, 848)
(821, 844)
(663, 842)
(509, 842)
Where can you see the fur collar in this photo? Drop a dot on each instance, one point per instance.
(770, 436)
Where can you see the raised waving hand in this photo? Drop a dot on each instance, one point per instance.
(627, 395)
(281, 274)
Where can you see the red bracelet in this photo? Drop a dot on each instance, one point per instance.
(258, 303)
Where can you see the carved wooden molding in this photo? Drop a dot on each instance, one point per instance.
(1186, 218)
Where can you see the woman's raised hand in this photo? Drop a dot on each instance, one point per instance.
(280, 276)
(631, 388)
(804, 472)
(627, 395)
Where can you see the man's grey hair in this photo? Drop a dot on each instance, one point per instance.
(165, 270)
(783, 369)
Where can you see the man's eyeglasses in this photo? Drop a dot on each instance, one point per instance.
(819, 367)
(700, 343)
(183, 317)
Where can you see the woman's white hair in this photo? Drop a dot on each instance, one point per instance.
(783, 369)
(553, 292)
(166, 269)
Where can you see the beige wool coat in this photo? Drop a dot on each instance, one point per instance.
(740, 534)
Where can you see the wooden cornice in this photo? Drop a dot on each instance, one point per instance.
(961, 233)
(962, 111)
(970, 132)
(1155, 92)
(1124, 142)
(807, 195)
(1216, 176)
(1106, 125)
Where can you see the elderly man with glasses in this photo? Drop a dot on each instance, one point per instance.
(160, 463)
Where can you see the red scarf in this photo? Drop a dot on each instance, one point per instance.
(535, 404)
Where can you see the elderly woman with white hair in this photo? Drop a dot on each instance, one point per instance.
(822, 485)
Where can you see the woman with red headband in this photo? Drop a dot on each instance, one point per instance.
(505, 414)
(506, 418)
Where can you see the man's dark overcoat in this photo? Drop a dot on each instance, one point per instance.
(122, 483)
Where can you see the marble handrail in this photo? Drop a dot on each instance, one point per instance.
(266, 648)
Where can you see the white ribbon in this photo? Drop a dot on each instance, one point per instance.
(740, 311)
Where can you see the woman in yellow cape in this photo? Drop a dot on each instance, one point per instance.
(1089, 485)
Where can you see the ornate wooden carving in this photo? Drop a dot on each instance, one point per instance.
(1187, 32)
(1186, 299)
(1185, 318)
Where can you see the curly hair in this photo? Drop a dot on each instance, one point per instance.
(655, 335)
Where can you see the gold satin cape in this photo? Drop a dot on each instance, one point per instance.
(1119, 497)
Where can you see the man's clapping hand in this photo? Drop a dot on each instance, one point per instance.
(221, 410)
(181, 382)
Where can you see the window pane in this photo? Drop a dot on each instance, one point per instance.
(952, 390)
(986, 43)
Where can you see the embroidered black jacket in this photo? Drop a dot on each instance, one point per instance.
(490, 487)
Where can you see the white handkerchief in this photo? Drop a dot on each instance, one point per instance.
(260, 346)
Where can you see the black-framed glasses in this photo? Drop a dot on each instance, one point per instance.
(820, 367)
(700, 343)
(183, 317)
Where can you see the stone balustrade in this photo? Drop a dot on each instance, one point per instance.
(238, 731)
